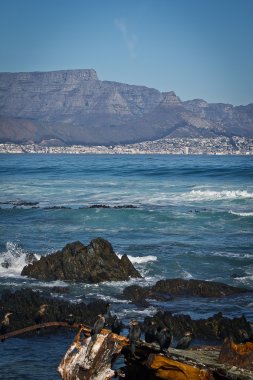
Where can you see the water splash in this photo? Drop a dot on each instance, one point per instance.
(13, 260)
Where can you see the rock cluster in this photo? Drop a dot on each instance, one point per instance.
(25, 303)
(165, 290)
(75, 262)
(214, 328)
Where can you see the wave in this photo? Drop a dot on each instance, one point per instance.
(206, 195)
(139, 259)
(13, 260)
(241, 213)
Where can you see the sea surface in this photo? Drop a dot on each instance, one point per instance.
(193, 218)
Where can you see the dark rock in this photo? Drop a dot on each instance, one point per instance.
(30, 258)
(165, 290)
(125, 206)
(137, 294)
(60, 289)
(20, 203)
(95, 263)
(216, 327)
(99, 206)
(181, 287)
(57, 208)
(24, 305)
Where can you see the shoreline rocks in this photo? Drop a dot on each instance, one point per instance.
(213, 328)
(94, 263)
(166, 290)
(25, 303)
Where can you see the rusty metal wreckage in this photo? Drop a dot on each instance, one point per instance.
(90, 357)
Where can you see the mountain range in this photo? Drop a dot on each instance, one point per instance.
(74, 107)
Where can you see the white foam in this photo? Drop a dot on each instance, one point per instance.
(241, 213)
(206, 195)
(140, 259)
(15, 257)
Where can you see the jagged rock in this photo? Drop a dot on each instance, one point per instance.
(216, 327)
(165, 290)
(25, 303)
(92, 264)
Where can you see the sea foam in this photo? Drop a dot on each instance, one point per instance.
(210, 195)
(13, 260)
(243, 214)
(140, 259)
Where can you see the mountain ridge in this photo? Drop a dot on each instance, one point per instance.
(75, 107)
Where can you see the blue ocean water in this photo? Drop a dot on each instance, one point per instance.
(193, 218)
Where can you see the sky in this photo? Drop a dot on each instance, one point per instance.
(201, 49)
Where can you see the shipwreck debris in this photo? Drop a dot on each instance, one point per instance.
(89, 358)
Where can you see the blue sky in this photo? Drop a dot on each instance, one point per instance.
(197, 48)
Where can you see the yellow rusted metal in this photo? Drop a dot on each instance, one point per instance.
(169, 369)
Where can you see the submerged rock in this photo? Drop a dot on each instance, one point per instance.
(75, 262)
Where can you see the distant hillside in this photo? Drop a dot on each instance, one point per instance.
(75, 107)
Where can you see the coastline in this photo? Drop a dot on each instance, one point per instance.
(169, 146)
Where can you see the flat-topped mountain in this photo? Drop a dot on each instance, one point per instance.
(74, 107)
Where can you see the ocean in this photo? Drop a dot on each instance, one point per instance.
(192, 218)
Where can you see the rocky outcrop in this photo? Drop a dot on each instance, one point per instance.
(74, 107)
(165, 290)
(24, 305)
(181, 287)
(75, 262)
(214, 328)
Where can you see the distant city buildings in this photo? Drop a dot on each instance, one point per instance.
(214, 146)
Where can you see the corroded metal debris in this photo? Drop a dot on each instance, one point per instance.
(90, 357)
(239, 355)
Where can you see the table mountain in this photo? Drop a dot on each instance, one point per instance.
(75, 107)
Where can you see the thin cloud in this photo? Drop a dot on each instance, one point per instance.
(129, 39)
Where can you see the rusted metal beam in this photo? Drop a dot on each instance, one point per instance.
(44, 326)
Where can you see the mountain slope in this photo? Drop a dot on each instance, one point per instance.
(75, 107)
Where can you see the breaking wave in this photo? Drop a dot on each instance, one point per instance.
(241, 213)
(13, 260)
(206, 195)
(140, 259)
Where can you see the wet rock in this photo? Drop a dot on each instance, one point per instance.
(137, 294)
(57, 208)
(75, 262)
(181, 287)
(107, 206)
(25, 303)
(216, 327)
(20, 203)
(165, 290)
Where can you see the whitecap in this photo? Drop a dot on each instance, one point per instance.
(244, 214)
(199, 195)
(139, 259)
(13, 260)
